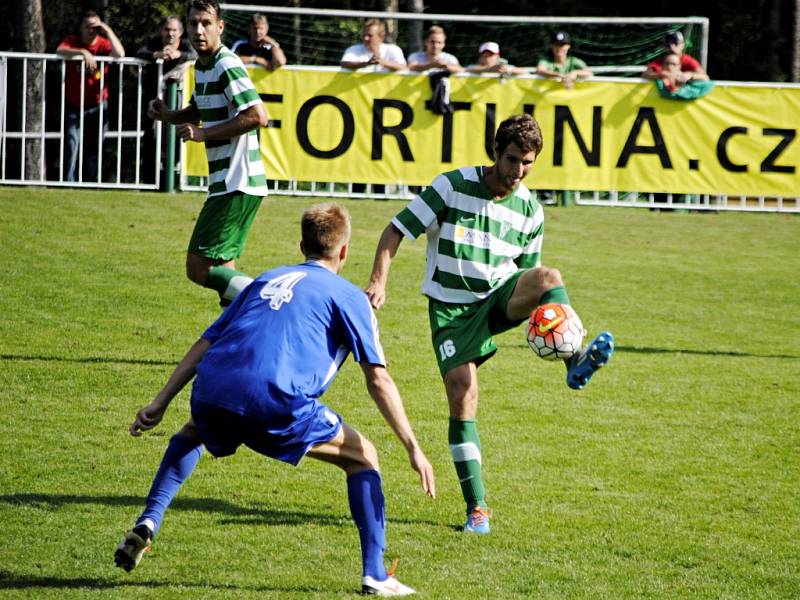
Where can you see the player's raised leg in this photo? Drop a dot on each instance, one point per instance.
(544, 285)
(357, 456)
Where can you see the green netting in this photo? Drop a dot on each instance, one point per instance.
(321, 39)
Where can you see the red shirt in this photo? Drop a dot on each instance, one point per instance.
(91, 90)
(687, 64)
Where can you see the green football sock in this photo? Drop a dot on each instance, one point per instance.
(556, 295)
(465, 448)
(227, 283)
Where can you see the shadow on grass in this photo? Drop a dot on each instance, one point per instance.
(88, 359)
(689, 351)
(21, 581)
(736, 354)
(234, 514)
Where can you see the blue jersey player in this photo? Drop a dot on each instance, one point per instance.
(259, 372)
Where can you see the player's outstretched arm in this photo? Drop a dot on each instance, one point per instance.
(151, 415)
(384, 392)
(384, 253)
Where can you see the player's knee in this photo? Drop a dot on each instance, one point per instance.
(196, 273)
(550, 277)
(189, 430)
(369, 455)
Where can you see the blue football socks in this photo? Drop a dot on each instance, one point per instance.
(179, 461)
(367, 505)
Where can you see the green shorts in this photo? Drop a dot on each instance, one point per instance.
(223, 224)
(462, 333)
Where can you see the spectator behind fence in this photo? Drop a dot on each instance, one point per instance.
(168, 45)
(671, 72)
(490, 61)
(88, 44)
(563, 66)
(373, 55)
(434, 57)
(690, 68)
(259, 48)
(176, 52)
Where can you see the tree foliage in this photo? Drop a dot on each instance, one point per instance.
(749, 39)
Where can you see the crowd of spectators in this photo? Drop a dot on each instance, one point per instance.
(85, 101)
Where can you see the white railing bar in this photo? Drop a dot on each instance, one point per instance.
(24, 113)
(3, 144)
(100, 127)
(80, 121)
(119, 125)
(87, 184)
(61, 123)
(43, 119)
(126, 61)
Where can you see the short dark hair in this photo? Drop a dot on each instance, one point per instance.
(204, 6)
(522, 130)
(325, 228)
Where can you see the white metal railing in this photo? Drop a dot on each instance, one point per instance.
(121, 139)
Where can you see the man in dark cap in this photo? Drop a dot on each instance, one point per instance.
(562, 65)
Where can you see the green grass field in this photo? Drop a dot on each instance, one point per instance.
(674, 474)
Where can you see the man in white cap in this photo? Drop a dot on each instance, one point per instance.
(489, 61)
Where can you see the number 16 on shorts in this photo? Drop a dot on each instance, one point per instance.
(447, 349)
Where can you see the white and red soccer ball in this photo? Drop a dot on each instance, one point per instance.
(555, 331)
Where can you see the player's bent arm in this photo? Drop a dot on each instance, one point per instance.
(151, 415)
(384, 392)
(158, 110)
(249, 119)
(384, 253)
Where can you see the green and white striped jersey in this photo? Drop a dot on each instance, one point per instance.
(222, 90)
(475, 243)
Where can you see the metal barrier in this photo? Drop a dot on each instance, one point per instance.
(34, 128)
(34, 155)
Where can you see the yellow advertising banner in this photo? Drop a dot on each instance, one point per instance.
(336, 126)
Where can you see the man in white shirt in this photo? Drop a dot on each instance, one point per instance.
(373, 55)
(434, 57)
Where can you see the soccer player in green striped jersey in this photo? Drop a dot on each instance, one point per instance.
(230, 109)
(483, 276)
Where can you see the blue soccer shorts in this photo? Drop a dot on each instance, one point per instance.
(223, 431)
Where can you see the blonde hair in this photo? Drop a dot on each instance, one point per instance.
(432, 30)
(378, 23)
(325, 228)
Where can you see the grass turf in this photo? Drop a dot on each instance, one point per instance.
(673, 474)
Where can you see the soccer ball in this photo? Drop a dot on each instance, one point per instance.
(555, 331)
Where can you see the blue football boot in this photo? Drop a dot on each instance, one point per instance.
(582, 366)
